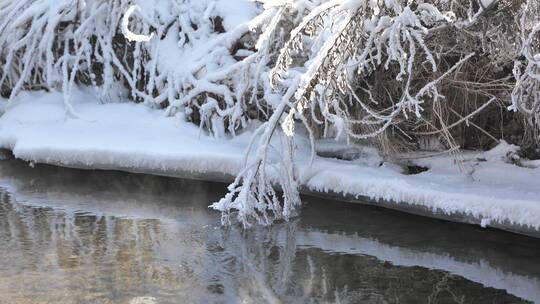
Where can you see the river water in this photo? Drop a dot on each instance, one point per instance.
(72, 236)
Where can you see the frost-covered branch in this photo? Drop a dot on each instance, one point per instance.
(348, 40)
(526, 93)
(194, 64)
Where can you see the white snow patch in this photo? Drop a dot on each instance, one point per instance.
(485, 222)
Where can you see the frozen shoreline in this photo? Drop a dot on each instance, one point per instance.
(134, 138)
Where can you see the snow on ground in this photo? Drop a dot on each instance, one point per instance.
(131, 137)
(121, 135)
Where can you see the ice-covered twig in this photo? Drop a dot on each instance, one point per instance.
(125, 27)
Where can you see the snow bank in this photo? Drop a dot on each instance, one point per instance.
(488, 188)
(482, 185)
(112, 135)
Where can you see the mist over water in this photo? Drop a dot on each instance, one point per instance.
(73, 236)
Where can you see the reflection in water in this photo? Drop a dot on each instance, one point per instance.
(69, 236)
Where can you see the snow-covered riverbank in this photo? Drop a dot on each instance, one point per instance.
(487, 188)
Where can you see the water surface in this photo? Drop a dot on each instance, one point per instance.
(72, 236)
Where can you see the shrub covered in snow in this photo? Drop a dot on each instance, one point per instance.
(403, 75)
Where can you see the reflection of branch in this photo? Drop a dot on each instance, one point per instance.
(267, 276)
(442, 286)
